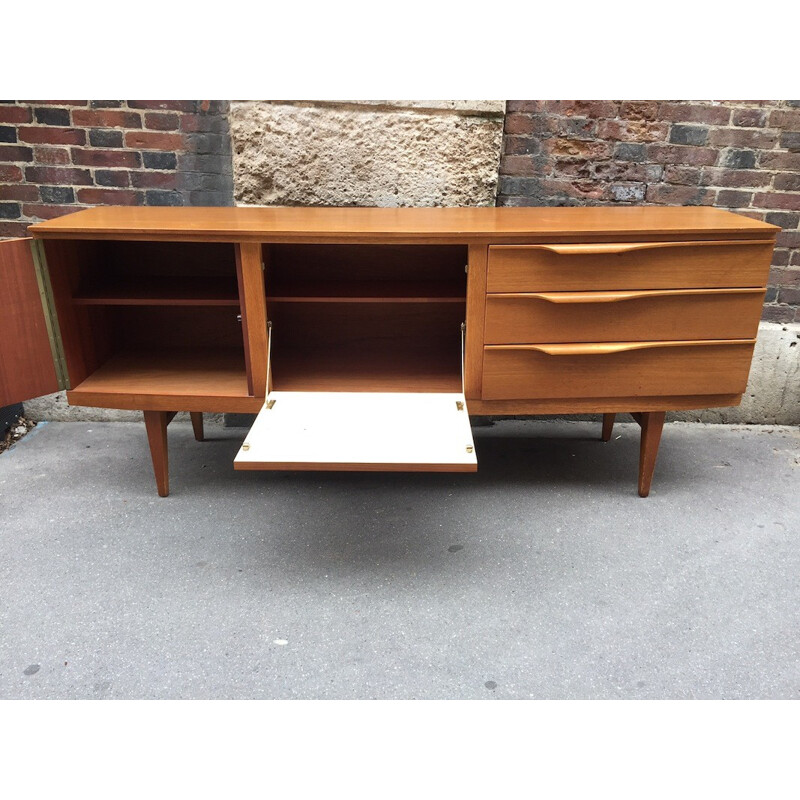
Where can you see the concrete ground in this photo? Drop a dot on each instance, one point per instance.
(542, 576)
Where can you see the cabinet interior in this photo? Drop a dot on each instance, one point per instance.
(171, 308)
(366, 318)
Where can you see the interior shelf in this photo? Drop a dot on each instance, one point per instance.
(173, 371)
(155, 291)
(367, 372)
(367, 292)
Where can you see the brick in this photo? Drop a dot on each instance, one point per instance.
(786, 120)
(51, 155)
(730, 137)
(740, 159)
(518, 165)
(57, 194)
(113, 197)
(680, 195)
(686, 176)
(59, 175)
(788, 182)
(684, 112)
(162, 122)
(185, 106)
(23, 192)
(789, 295)
(213, 107)
(43, 211)
(795, 261)
(627, 193)
(52, 116)
(732, 198)
(639, 109)
(788, 200)
(524, 106)
(208, 198)
(10, 210)
(736, 178)
(694, 135)
(790, 140)
(150, 140)
(577, 148)
(13, 230)
(106, 158)
(788, 239)
(515, 146)
(749, 118)
(630, 151)
(16, 114)
(529, 124)
(771, 295)
(778, 160)
(15, 153)
(572, 127)
(160, 160)
(10, 172)
(52, 135)
(111, 177)
(192, 123)
(632, 130)
(8, 134)
(680, 154)
(778, 313)
(56, 102)
(785, 276)
(101, 137)
(780, 257)
(583, 108)
(157, 197)
(107, 118)
(155, 180)
(215, 144)
(783, 219)
(106, 103)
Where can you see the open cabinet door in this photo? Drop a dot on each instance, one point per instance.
(27, 334)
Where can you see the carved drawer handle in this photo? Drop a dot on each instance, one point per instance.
(627, 247)
(614, 297)
(607, 348)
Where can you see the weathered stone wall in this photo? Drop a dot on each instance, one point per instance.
(375, 153)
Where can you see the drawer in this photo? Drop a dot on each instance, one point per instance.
(629, 316)
(643, 265)
(626, 369)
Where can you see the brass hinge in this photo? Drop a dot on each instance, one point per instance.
(50, 317)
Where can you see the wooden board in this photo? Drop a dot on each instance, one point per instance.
(377, 225)
(26, 358)
(624, 369)
(661, 265)
(353, 431)
(623, 316)
(198, 379)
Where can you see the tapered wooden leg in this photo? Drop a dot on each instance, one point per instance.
(608, 425)
(652, 423)
(156, 423)
(197, 424)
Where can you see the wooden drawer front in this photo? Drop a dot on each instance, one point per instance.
(648, 265)
(623, 316)
(616, 370)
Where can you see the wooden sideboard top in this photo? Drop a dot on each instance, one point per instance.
(435, 225)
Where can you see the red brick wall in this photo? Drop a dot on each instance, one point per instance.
(739, 155)
(57, 156)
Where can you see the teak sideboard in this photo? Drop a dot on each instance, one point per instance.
(365, 337)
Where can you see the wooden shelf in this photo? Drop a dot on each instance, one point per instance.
(367, 292)
(158, 291)
(349, 371)
(174, 372)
